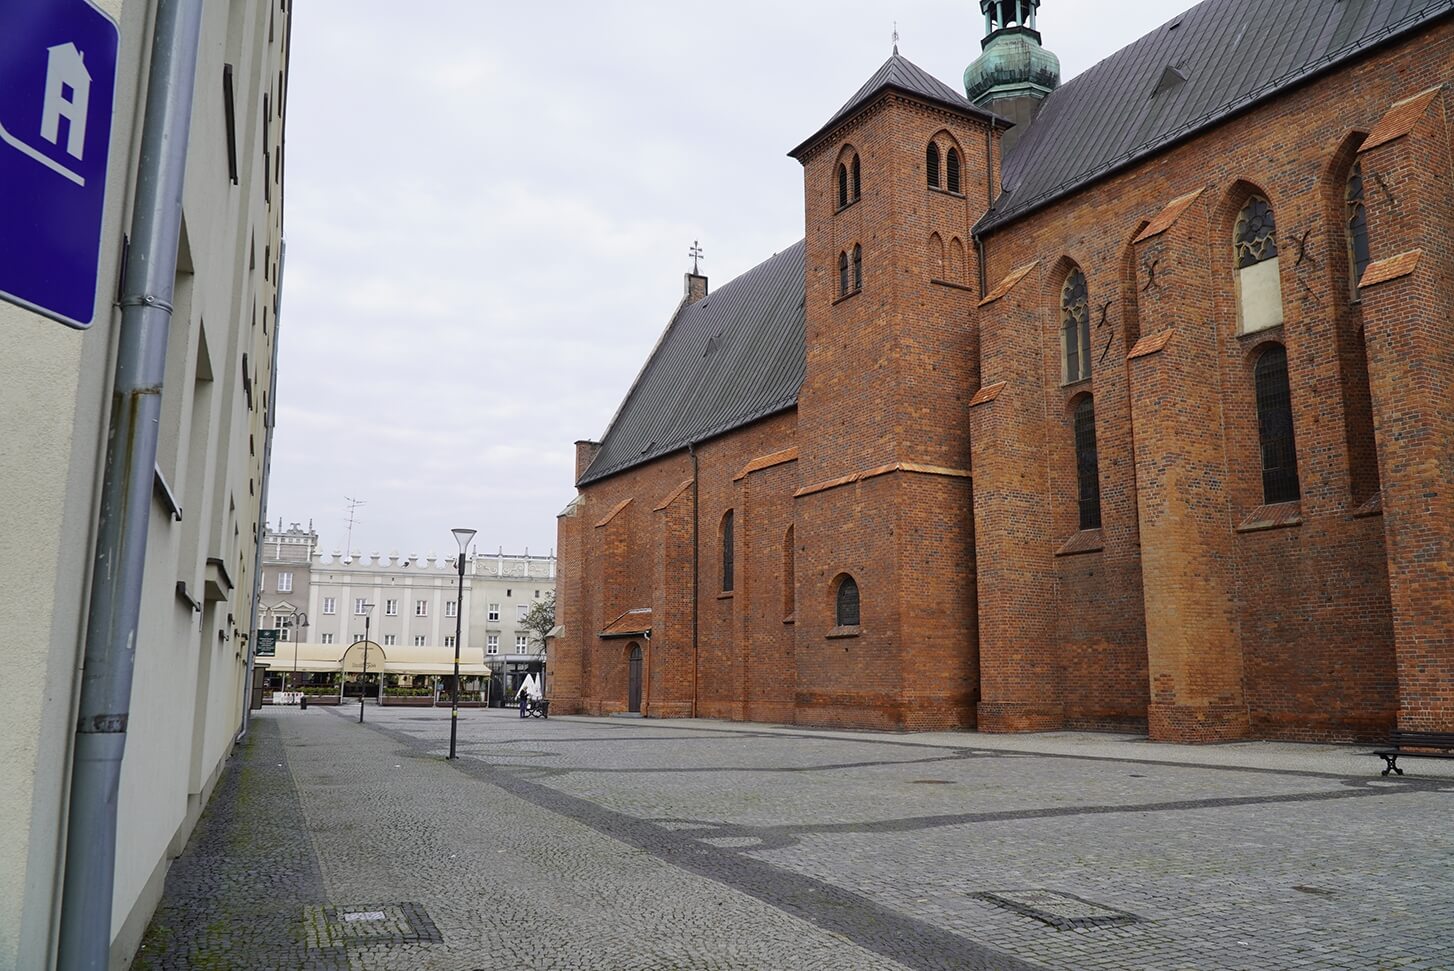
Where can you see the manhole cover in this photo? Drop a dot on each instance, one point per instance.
(1060, 910)
(327, 927)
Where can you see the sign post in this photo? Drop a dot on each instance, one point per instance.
(57, 96)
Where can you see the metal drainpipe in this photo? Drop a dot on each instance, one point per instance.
(125, 501)
(696, 571)
(262, 503)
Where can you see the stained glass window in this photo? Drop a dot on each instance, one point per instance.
(1075, 323)
(1256, 233)
(846, 608)
(1358, 258)
(1087, 466)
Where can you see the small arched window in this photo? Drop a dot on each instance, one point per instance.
(728, 553)
(1075, 327)
(857, 267)
(1358, 258)
(951, 165)
(931, 165)
(1087, 466)
(842, 185)
(1259, 286)
(857, 179)
(843, 274)
(1274, 427)
(845, 603)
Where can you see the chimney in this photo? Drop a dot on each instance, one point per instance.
(696, 288)
(585, 454)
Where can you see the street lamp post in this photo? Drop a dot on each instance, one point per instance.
(462, 537)
(300, 620)
(363, 682)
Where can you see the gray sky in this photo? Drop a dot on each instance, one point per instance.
(489, 206)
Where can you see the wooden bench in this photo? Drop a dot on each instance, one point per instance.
(1407, 744)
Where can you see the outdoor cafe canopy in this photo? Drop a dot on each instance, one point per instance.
(394, 659)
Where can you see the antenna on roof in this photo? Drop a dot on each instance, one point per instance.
(696, 254)
(896, 36)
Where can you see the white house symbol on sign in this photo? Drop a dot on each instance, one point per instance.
(67, 95)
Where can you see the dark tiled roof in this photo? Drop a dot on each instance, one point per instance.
(1228, 55)
(727, 360)
(899, 74)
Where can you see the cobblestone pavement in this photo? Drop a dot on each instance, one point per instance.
(605, 844)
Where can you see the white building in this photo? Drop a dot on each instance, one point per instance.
(56, 383)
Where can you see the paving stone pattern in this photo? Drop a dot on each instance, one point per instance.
(602, 844)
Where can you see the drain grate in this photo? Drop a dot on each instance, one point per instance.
(330, 927)
(1062, 911)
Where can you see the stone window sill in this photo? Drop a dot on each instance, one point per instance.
(1085, 541)
(946, 192)
(725, 595)
(848, 296)
(791, 618)
(952, 285)
(1068, 385)
(850, 205)
(1373, 507)
(1277, 515)
(840, 632)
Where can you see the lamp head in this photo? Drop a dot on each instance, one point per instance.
(463, 537)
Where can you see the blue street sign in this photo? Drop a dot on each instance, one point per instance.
(57, 82)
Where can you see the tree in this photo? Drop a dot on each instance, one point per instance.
(540, 620)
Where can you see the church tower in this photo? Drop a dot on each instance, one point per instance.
(1014, 74)
(884, 624)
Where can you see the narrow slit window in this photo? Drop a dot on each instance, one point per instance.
(728, 563)
(951, 165)
(1087, 465)
(1274, 427)
(857, 267)
(931, 165)
(1075, 327)
(1358, 253)
(843, 274)
(842, 186)
(857, 179)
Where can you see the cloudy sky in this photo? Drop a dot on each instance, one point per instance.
(489, 207)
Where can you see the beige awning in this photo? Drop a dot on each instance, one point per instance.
(394, 659)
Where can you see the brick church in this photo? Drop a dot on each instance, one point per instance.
(1123, 403)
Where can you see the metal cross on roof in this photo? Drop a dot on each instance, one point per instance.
(696, 254)
(896, 36)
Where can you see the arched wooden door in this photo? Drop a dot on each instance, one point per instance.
(633, 691)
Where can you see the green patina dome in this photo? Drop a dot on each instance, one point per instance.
(1013, 62)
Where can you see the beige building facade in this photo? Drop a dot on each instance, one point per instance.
(192, 642)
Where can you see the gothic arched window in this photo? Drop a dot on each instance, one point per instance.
(951, 164)
(842, 185)
(728, 553)
(1075, 327)
(1259, 287)
(1357, 215)
(843, 274)
(845, 602)
(1087, 466)
(931, 165)
(857, 179)
(1274, 427)
(857, 267)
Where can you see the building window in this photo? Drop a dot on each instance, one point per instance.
(330, 605)
(931, 165)
(285, 583)
(391, 608)
(843, 274)
(1075, 327)
(521, 610)
(494, 613)
(421, 608)
(845, 602)
(326, 639)
(419, 640)
(857, 179)
(789, 571)
(537, 595)
(1274, 427)
(728, 566)
(842, 185)
(449, 640)
(857, 267)
(360, 606)
(492, 644)
(522, 642)
(1358, 256)
(451, 609)
(1087, 467)
(951, 169)
(1259, 286)
(282, 633)
(391, 639)
(357, 638)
